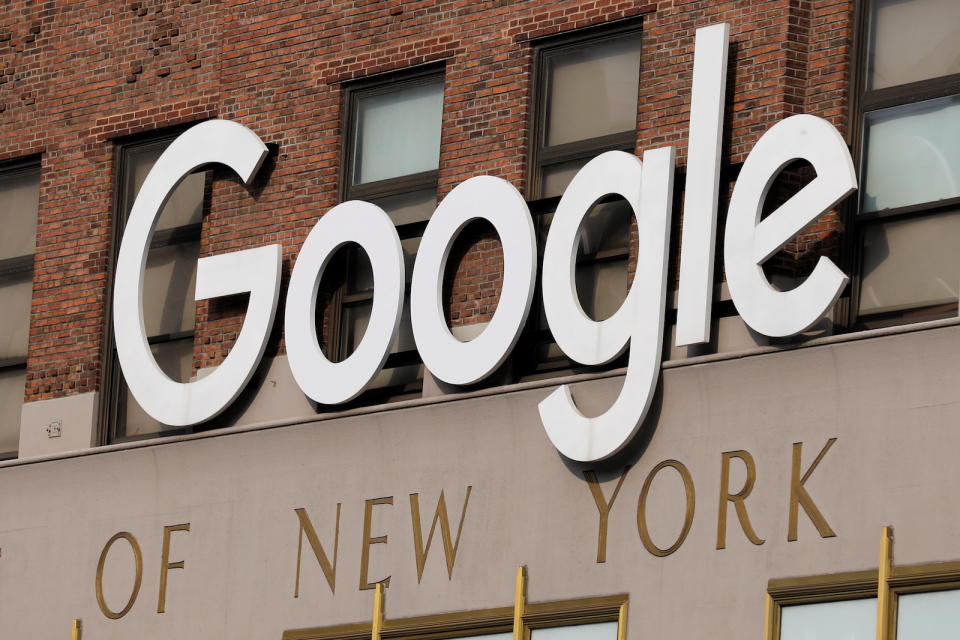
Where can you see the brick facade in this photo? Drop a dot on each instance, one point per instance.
(77, 76)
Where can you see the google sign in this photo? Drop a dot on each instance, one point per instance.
(646, 185)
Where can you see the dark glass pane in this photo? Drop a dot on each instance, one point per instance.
(15, 292)
(169, 282)
(404, 208)
(910, 263)
(593, 90)
(175, 359)
(912, 40)
(12, 382)
(185, 205)
(19, 201)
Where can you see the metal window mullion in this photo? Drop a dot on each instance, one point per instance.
(9, 364)
(17, 266)
(910, 93)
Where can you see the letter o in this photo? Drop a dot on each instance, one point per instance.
(138, 557)
(498, 202)
(367, 225)
(687, 518)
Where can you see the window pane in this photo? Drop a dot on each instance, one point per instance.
(912, 40)
(355, 319)
(910, 263)
(606, 228)
(176, 360)
(602, 258)
(556, 177)
(356, 316)
(595, 631)
(185, 205)
(398, 133)
(844, 620)
(360, 273)
(12, 382)
(169, 281)
(929, 616)
(602, 287)
(593, 90)
(913, 154)
(19, 200)
(416, 206)
(15, 291)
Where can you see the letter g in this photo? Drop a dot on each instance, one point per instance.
(255, 270)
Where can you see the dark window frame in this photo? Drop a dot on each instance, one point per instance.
(340, 297)
(17, 267)
(540, 156)
(113, 405)
(863, 102)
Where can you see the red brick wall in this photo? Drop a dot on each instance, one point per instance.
(74, 76)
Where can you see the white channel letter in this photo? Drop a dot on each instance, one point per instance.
(254, 270)
(749, 241)
(702, 187)
(479, 198)
(648, 187)
(370, 227)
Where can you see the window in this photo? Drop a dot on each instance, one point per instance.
(589, 619)
(19, 202)
(909, 207)
(168, 299)
(391, 158)
(921, 602)
(585, 103)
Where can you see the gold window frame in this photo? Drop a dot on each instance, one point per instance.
(521, 620)
(886, 584)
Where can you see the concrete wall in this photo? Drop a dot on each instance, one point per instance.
(891, 403)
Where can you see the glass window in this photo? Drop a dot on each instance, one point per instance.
(589, 619)
(593, 90)
(594, 631)
(843, 620)
(169, 280)
(912, 154)
(398, 132)
(19, 204)
(393, 157)
(586, 103)
(910, 163)
(911, 264)
(912, 40)
(934, 615)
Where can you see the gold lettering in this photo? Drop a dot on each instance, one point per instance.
(800, 497)
(329, 569)
(687, 518)
(603, 506)
(449, 547)
(738, 499)
(368, 541)
(166, 565)
(138, 559)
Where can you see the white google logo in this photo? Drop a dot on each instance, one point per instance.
(646, 185)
